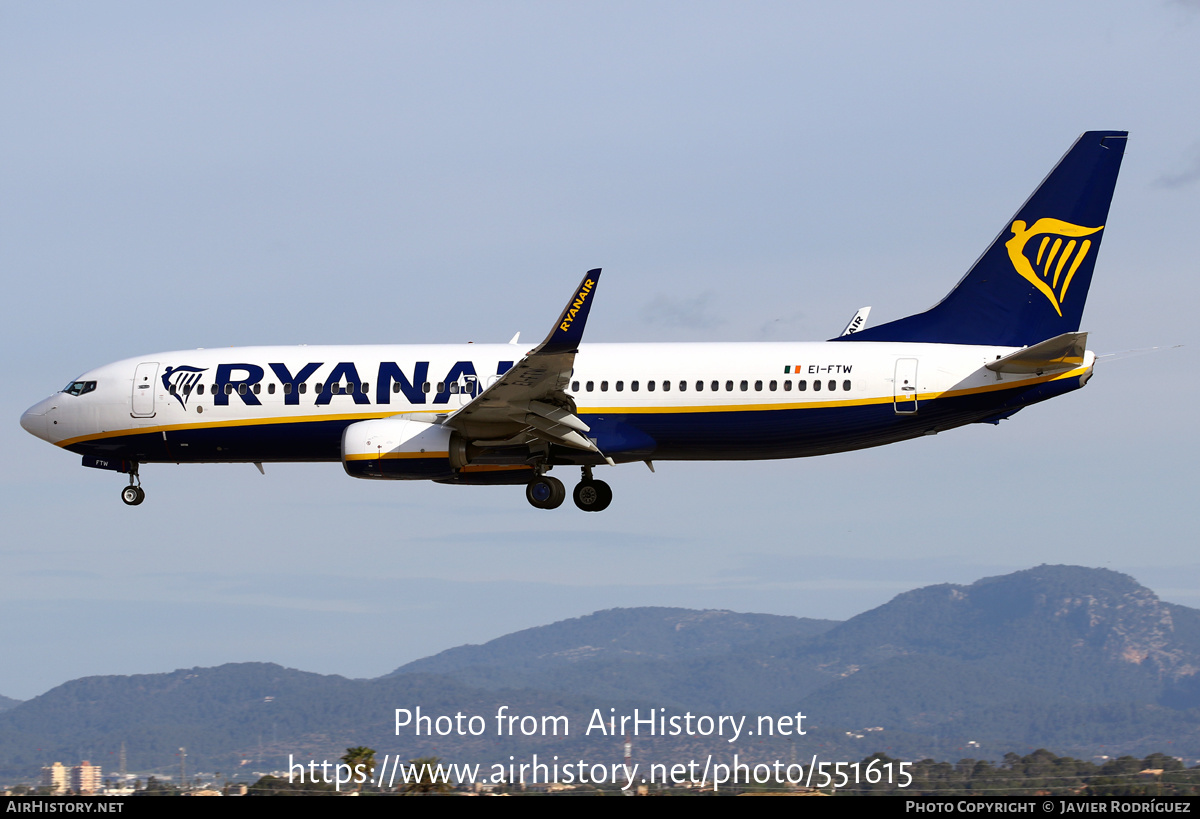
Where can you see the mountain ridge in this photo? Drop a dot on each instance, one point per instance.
(1052, 656)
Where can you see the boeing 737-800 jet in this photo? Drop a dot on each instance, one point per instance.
(1005, 337)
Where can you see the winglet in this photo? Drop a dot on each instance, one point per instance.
(858, 322)
(568, 330)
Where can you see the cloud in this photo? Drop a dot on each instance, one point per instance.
(1183, 178)
(783, 326)
(691, 313)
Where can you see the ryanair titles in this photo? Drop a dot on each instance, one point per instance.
(244, 382)
(576, 305)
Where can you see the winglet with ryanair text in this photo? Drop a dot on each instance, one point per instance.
(1031, 283)
(568, 331)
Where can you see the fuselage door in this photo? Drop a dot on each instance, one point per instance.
(143, 389)
(468, 388)
(906, 386)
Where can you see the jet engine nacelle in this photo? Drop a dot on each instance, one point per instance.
(401, 449)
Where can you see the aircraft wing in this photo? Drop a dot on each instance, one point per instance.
(530, 402)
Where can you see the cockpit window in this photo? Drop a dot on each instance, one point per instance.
(79, 387)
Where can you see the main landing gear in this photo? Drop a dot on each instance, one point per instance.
(133, 494)
(590, 495)
(545, 492)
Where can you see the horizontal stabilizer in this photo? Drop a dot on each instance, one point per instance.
(1057, 354)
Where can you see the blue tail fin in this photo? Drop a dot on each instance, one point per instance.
(1031, 284)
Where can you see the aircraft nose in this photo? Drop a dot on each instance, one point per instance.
(33, 420)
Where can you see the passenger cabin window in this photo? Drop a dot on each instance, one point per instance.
(802, 385)
(667, 386)
(574, 386)
(591, 385)
(728, 386)
(745, 386)
(758, 386)
(832, 384)
(816, 385)
(200, 390)
(846, 386)
(633, 386)
(271, 388)
(787, 385)
(683, 386)
(772, 385)
(620, 386)
(303, 387)
(649, 385)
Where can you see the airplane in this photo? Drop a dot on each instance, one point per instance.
(1005, 337)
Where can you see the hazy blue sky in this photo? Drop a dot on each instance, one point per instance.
(181, 175)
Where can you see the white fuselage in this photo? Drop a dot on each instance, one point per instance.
(641, 401)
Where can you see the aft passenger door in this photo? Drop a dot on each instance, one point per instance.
(143, 390)
(906, 386)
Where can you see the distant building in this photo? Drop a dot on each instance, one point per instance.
(85, 778)
(54, 777)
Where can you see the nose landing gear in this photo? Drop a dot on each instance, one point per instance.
(133, 494)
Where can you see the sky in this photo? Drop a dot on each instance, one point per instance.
(222, 174)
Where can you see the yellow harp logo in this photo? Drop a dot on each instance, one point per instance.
(1058, 256)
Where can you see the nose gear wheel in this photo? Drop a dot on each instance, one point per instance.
(133, 494)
